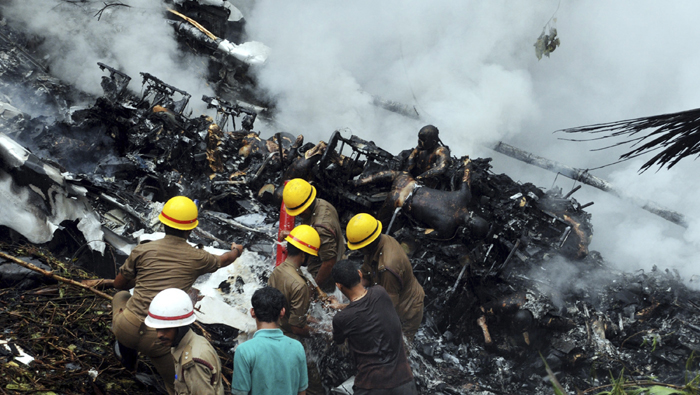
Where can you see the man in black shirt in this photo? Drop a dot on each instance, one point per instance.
(373, 331)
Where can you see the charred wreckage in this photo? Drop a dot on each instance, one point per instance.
(511, 287)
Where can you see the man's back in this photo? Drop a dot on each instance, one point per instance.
(390, 267)
(373, 330)
(325, 220)
(290, 281)
(269, 363)
(166, 263)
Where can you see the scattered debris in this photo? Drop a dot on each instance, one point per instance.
(546, 43)
(505, 266)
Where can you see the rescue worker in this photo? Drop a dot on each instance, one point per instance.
(387, 264)
(303, 242)
(300, 200)
(372, 330)
(152, 267)
(197, 365)
(430, 160)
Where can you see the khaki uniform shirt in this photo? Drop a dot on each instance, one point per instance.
(197, 367)
(160, 264)
(389, 267)
(325, 221)
(291, 282)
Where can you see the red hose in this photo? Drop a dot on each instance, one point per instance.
(286, 224)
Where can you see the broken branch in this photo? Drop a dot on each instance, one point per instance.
(53, 275)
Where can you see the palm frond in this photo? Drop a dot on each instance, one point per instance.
(676, 135)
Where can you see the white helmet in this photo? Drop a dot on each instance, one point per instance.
(171, 308)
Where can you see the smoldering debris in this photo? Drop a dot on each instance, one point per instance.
(506, 267)
(57, 338)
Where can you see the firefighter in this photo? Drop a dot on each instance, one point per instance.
(387, 264)
(303, 244)
(152, 267)
(300, 200)
(430, 160)
(197, 365)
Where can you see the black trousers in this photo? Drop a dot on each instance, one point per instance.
(404, 389)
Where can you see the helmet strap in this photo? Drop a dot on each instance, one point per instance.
(309, 211)
(371, 248)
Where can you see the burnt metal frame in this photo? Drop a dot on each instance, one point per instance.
(162, 94)
(117, 80)
(359, 147)
(226, 110)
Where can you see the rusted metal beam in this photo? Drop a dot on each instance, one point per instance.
(583, 176)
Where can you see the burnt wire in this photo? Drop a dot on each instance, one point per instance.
(555, 180)
(408, 80)
(103, 9)
(82, 247)
(552, 17)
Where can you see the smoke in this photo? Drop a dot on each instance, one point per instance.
(469, 67)
(448, 59)
(133, 39)
(558, 277)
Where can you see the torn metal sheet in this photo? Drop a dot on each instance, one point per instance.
(38, 198)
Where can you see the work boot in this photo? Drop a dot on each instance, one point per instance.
(127, 356)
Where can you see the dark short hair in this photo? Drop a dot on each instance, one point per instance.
(345, 273)
(170, 231)
(293, 250)
(268, 303)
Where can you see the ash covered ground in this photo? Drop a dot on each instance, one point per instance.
(85, 173)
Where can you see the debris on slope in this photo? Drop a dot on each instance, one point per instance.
(505, 266)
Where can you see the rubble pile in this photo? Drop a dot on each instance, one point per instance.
(64, 330)
(57, 338)
(510, 283)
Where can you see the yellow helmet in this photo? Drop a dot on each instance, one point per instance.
(362, 230)
(179, 212)
(305, 238)
(298, 195)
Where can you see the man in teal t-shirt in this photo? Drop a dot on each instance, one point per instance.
(270, 363)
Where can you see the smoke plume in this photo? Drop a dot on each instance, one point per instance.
(470, 68)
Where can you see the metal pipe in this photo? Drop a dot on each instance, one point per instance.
(583, 176)
(393, 217)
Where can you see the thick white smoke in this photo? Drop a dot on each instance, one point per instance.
(131, 39)
(469, 67)
(458, 63)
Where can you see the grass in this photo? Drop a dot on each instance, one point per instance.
(621, 386)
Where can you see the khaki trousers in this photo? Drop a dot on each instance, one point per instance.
(133, 333)
(412, 320)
